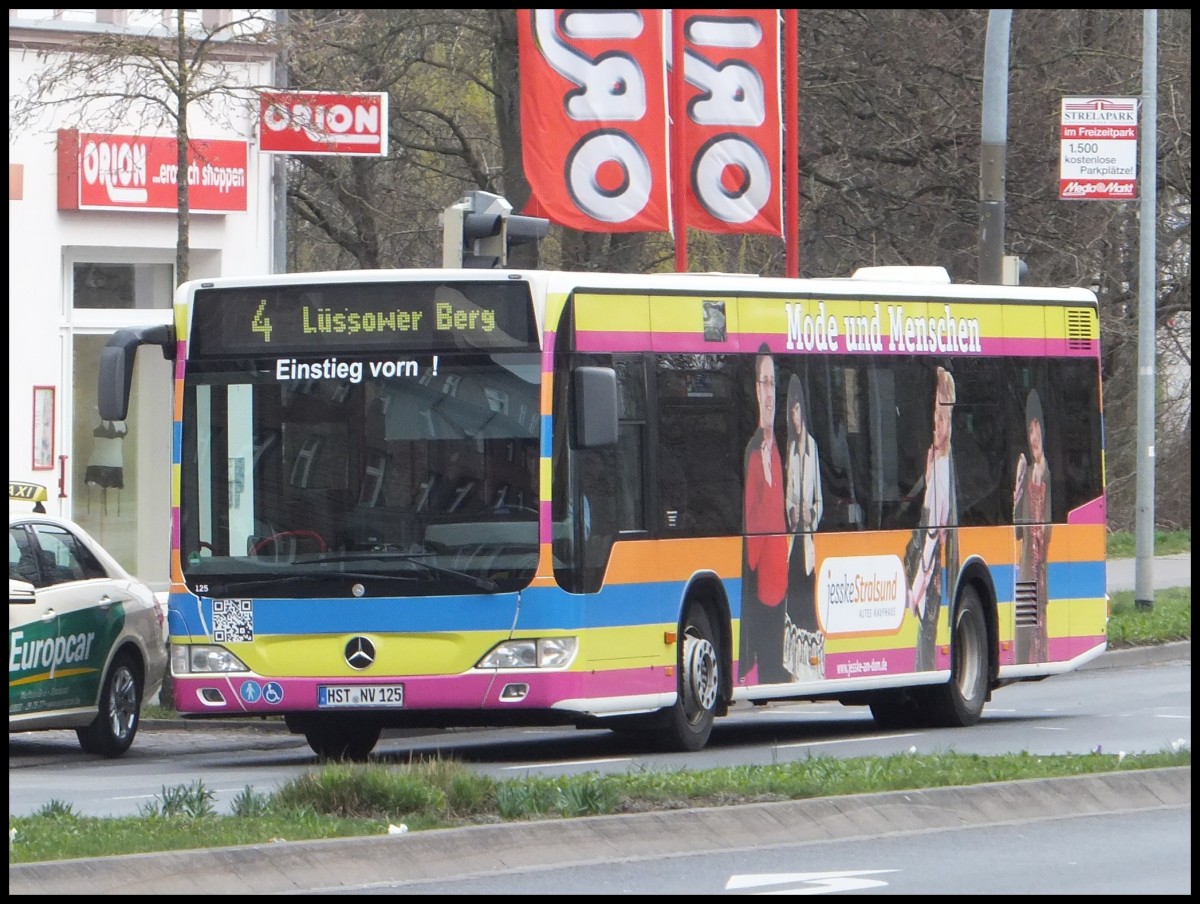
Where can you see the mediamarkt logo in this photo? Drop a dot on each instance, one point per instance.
(1091, 188)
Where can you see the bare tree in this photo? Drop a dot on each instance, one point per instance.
(889, 140)
(116, 73)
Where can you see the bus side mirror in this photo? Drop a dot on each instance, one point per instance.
(595, 391)
(115, 379)
(116, 366)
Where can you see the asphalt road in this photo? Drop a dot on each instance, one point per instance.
(299, 867)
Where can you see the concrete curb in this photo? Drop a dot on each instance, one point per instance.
(1134, 656)
(344, 864)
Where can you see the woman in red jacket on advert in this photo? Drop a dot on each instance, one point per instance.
(765, 562)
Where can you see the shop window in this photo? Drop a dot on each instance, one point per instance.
(122, 286)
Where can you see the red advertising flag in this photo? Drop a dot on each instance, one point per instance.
(594, 117)
(732, 131)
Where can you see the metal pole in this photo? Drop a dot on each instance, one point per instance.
(992, 151)
(791, 134)
(279, 161)
(1143, 594)
(678, 162)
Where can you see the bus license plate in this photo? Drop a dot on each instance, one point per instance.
(335, 695)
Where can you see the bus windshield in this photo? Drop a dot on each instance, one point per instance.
(299, 475)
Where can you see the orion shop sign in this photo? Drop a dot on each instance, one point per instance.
(98, 171)
(323, 122)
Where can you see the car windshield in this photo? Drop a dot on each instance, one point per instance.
(349, 476)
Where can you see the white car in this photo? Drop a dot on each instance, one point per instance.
(86, 640)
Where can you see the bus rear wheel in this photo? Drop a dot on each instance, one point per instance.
(342, 738)
(900, 708)
(959, 702)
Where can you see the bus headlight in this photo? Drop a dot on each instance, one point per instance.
(188, 659)
(539, 653)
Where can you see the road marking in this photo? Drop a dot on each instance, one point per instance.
(616, 759)
(809, 883)
(882, 737)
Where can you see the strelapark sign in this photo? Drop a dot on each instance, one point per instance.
(99, 171)
(323, 122)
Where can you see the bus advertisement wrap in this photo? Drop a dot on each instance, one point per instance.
(452, 497)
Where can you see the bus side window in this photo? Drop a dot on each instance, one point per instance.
(631, 443)
(840, 428)
(900, 430)
(981, 443)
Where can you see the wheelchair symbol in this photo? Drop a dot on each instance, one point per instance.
(273, 692)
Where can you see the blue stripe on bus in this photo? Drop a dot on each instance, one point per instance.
(1077, 580)
(541, 609)
(1068, 580)
(616, 605)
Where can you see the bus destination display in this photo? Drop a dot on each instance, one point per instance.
(308, 319)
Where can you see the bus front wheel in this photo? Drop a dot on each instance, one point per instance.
(688, 724)
(342, 738)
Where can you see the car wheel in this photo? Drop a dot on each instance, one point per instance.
(116, 723)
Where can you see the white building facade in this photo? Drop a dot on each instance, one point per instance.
(93, 230)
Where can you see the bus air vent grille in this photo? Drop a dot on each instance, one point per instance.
(1081, 329)
(1027, 607)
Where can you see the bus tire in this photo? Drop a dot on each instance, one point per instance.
(689, 723)
(112, 731)
(959, 702)
(900, 708)
(342, 738)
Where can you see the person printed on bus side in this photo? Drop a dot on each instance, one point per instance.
(1031, 517)
(933, 552)
(804, 644)
(764, 567)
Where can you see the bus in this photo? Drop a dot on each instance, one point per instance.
(469, 497)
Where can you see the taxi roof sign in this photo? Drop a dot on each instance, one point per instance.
(28, 492)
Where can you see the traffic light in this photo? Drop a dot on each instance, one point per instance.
(478, 231)
(1013, 270)
(520, 230)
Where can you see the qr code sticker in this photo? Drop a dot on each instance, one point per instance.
(233, 621)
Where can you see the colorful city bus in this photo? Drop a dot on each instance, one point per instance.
(456, 497)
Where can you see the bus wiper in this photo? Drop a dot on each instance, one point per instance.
(419, 559)
(220, 590)
(485, 584)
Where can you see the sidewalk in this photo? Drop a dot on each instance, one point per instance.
(1167, 571)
